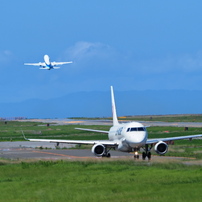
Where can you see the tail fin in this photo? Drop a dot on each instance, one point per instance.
(115, 120)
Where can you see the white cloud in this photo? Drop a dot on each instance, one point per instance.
(5, 56)
(84, 52)
(88, 52)
(84, 49)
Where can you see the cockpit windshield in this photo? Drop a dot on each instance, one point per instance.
(136, 129)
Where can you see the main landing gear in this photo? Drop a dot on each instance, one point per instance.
(144, 155)
(146, 152)
(106, 153)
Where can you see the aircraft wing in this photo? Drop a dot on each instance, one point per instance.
(155, 140)
(87, 142)
(36, 64)
(92, 130)
(60, 63)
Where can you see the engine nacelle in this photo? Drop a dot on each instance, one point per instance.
(98, 150)
(161, 148)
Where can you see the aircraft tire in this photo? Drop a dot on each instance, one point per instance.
(108, 155)
(149, 155)
(143, 156)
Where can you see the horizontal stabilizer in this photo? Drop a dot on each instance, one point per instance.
(92, 130)
(43, 68)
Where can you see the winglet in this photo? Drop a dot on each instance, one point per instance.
(115, 120)
(24, 135)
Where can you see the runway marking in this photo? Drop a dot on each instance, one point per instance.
(85, 157)
(65, 155)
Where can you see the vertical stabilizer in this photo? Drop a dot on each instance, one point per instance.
(115, 120)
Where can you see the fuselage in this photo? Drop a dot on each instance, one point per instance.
(47, 62)
(130, 136)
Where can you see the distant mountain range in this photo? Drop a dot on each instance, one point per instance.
(98, 104)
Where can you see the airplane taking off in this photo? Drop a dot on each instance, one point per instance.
(125, 137)
(47, 64)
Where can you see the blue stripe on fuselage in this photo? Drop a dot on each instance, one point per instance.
(49, 66)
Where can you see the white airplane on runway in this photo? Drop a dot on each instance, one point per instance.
(47, 64)
(125, 137)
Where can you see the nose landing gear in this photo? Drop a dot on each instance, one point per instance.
(136, 155)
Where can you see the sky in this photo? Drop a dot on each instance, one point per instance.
(132, 45)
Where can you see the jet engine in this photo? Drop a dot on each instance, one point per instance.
(161, 148)
(98, 150)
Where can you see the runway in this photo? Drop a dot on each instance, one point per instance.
(30, 151)
(52, 154)
(44, 150)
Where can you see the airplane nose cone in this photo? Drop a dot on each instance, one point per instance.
(137, 139)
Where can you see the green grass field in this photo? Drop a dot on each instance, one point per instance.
(12, 131)
(166, 118)
(100, 181)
